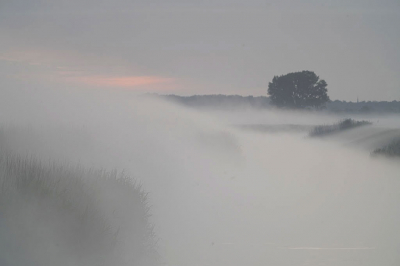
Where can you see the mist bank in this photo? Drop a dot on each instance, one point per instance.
(221, 195)
(232, 102)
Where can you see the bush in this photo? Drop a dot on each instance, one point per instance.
(390, 150)
(345, 124)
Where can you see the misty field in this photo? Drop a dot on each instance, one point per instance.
(244, 187)
(199, 133)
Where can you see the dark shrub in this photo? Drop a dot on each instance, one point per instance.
(390, 150)
(345, 124)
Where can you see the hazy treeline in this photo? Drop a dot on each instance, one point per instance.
(364, 107)
(262, 102)
(220, 101)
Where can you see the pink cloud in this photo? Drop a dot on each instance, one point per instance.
(54, 66)
(122, 81)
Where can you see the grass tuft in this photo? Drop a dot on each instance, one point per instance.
(60, 215)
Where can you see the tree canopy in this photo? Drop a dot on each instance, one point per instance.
(298, 90)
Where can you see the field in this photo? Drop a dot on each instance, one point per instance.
(244, 187)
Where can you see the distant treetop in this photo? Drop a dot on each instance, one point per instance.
(298, 90)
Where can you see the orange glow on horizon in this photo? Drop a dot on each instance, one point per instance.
(68, 67)
(126, 81)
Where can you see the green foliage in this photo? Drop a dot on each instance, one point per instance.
(390, 150)
(298, 90)
(345, 124)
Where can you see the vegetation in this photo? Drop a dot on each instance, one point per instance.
(345, 124)
(59, 215)
(363, 107)
(232, 102)
(298, 90)
(220, 101)
(390, 150)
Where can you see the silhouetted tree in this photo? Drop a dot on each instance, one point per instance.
(298, 90)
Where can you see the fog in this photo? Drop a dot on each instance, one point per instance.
(220, 194)
(93, 174)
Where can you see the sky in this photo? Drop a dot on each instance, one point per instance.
(201, 47)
